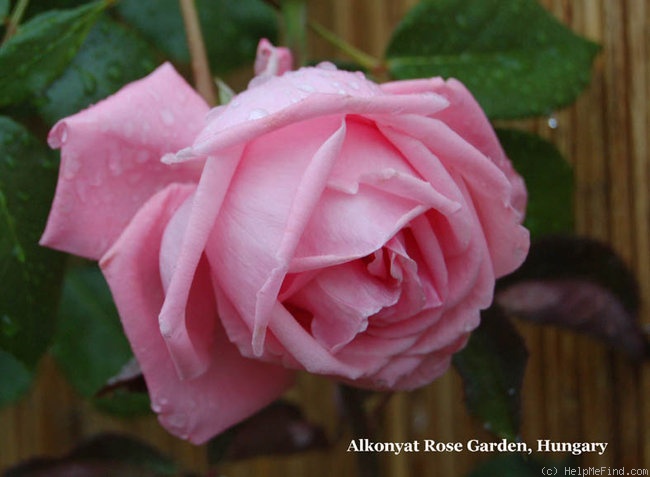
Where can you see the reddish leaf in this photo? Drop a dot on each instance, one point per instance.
(579, 284)
(280, 428)
(106, 455)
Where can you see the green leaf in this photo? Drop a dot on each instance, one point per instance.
(4, 9)
(515, 57)
(90, 345)
(16, 378)
(514, 465)
(231, 28)
(30, 274)
(226, 93)
(549, 180)
(41, 50)
(492, 366)
(124, 404)
(111, 57)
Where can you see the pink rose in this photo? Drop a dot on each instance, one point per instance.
(318, 222)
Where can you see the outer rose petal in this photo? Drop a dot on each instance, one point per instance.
(110, 159)
(466, 117)
(233, 387)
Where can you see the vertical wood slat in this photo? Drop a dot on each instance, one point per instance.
(575, 389)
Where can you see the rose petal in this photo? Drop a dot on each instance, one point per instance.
(341, 299)
(490, 189)
(233, 387)
(265, 213)
(299, 96)
(466, 117)
(110, 159)
(206, 204)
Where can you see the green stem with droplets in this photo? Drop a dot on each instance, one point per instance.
(15, 19)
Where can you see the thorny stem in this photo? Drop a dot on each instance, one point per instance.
(200, 65)
(14, 19)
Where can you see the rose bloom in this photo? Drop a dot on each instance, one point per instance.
(318, 222)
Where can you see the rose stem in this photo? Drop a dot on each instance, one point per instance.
(14, 19)
(200, 65)
(294, 16)
(370, 63)
(365, 60)
(367, 462)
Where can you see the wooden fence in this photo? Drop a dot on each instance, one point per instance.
(575, 389)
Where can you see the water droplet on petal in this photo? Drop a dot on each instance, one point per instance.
(214, 112)
(71, 166)
(258, 113)
(115, 163)
(167, 117)
(177, 421)
(306, 88)
(327, 65)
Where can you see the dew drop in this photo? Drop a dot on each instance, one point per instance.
(19, 253)
(306, 88)
(8, 326)
(354, 85)
(114, 72)
(177, 421)
(167, 117)
(214, 112)
(511, 392)
(71, 166)
(327, 65)
(258, 113)
(88, 81)
(115, 163)
(10, 162)
(552, 122)
(300, 434)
